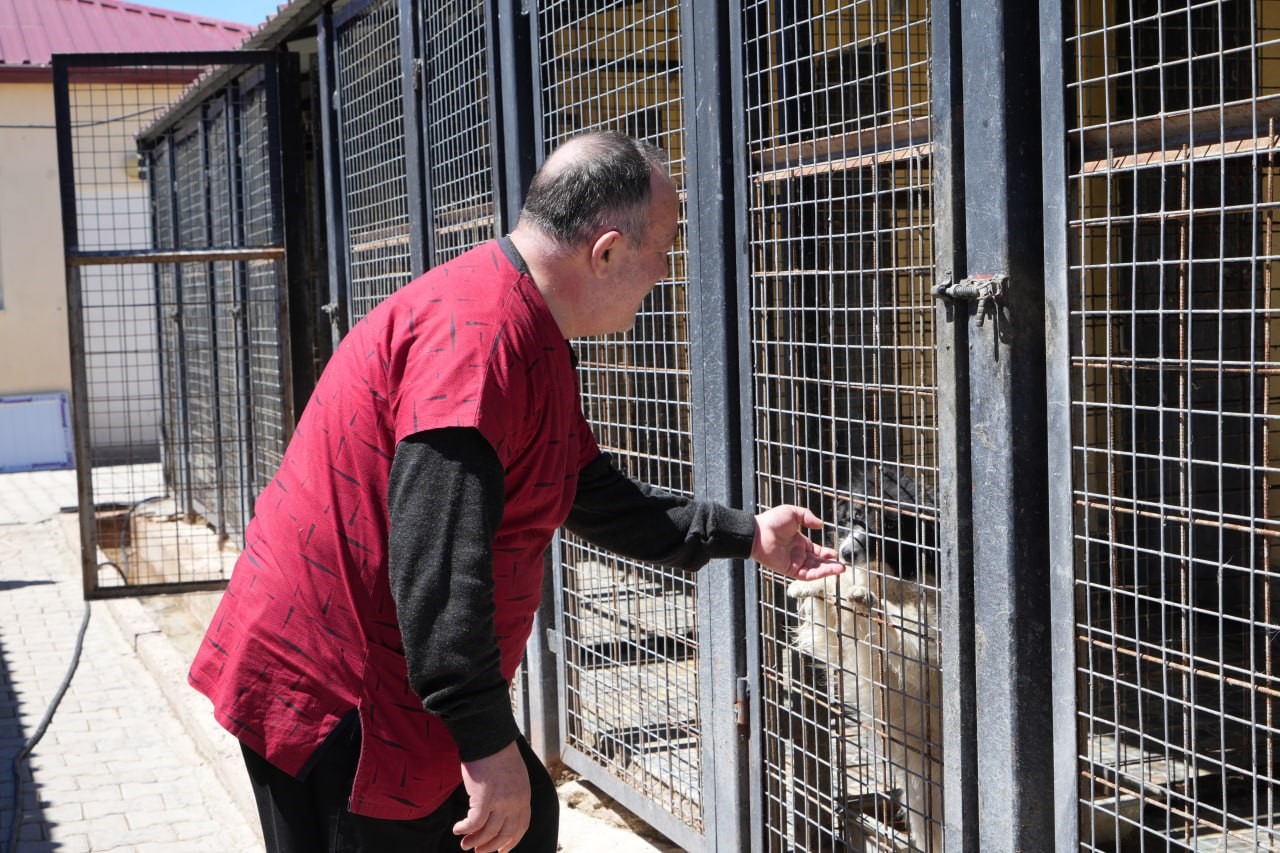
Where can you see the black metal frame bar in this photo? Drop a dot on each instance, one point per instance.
(955, 477)
(1000, 67)
(337, 308)
(1062, 557)
(513, 98)
(714, 223)
(417, 111)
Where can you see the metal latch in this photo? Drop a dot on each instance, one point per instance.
(742, 694)
(986, 290)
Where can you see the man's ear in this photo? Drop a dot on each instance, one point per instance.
(604, 251)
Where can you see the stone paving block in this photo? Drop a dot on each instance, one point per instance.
(116, 769)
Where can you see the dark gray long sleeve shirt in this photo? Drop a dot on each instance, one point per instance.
(445, 500)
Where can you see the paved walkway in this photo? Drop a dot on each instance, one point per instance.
(132, 760)
(115, 770)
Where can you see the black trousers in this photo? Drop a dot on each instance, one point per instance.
(311, 816)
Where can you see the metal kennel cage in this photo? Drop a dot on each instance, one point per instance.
(457, 78)
(840, 222)
(373, 244)
(176, 289)
(1166, 366)
(628, 638)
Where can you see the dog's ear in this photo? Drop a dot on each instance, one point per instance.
(898, 486)
(901, 486)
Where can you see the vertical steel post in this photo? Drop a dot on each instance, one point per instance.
(506, 38)
(955, 475)
(1006, 361)
(416, 113)
(75, 324)
(1053, 64)
(512, 99)
(713, 346)
(298, 300)
(338, 307)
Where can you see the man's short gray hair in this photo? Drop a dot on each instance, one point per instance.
(599, 182)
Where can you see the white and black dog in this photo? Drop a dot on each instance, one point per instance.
(874, 627)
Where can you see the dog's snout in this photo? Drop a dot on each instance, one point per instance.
(853, 547)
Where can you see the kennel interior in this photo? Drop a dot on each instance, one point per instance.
(629, 632)
(1171, 158)
(841, 266)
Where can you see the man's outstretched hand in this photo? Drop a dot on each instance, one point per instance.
(782, 545)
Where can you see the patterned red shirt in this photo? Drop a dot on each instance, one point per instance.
(307, 628)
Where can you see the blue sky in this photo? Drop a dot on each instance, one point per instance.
(252, 12)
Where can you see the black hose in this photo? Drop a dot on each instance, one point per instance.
(39, 733)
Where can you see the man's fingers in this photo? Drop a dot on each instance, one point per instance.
(483, 838)
(807, 573)
(472, 823)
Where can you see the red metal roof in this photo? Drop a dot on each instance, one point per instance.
(31, 31)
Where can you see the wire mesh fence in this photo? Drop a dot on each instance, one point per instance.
(1172, 153)
(630, 639)
(840, 224)
(369, 99)
(457, 49)
(158, 274)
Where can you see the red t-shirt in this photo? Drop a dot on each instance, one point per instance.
(307, 628)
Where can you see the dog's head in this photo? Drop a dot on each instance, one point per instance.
(889, 521)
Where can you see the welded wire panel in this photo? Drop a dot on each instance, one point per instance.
(458, 126)
(375, 183)
(631, 642)
(230, 344)
(201, 390)
(843, 366)
(154, 337)
(1172, 200)
(264, 294)
(157, 164)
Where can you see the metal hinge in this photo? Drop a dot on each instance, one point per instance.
(988, 291)
(742, 692)
(417, 75)
(555, 642)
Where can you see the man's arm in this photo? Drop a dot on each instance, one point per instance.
(445, 499)
(645, 523)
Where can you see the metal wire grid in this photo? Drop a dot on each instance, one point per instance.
(118, 306)
(198, 324)
(131, 331)
(837, 111)
(376, 186)
(265, 284)
(159, 171)
(630, 639)
(230, 334)
(1172, 238)
(458, 127)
